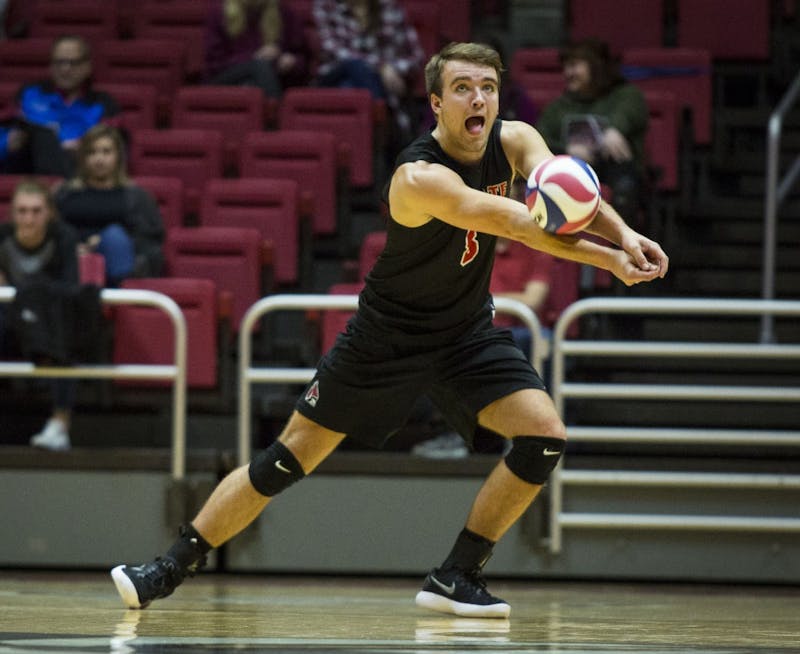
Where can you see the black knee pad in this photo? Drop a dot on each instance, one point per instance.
(274, 469)
(532, 458)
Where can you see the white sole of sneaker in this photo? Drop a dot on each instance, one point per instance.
(435, 602)
(125, 588)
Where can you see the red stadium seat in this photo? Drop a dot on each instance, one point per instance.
(8, 96)
(309, 158)
(728, 29)
(229, 256)
(192, 155)
(348, 114)
(232, 110)
(424, 16)
(270, 205)
(684, 72)
(539, 72)
(662, 143)
(168, 192)
(371, 248)
(454, 22)
(137, 103)
(94, 20)
(25, 60)
(639, 25)
(92, 268)
(134, 327)
(332, 321)
(564, 290)
(181, 21)
(159, 62)
(542, 96)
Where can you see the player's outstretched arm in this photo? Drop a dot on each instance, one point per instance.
(645, 252)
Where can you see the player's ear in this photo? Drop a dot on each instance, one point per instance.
(436, 104)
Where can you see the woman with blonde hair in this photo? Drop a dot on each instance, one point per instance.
(111, 214)
(255, 43)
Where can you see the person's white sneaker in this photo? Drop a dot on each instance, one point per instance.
(52, 437)
(447, 446)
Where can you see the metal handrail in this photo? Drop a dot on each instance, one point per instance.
(561, 348)
(302, 302)
(175, 372)
(776, 192)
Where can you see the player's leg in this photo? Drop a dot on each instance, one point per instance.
(236, 501)
(530, 419)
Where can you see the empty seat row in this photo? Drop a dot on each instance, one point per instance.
(194, 157)
(728, 29)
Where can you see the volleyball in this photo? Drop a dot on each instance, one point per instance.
(563, 194)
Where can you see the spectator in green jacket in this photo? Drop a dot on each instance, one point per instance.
(602, 119)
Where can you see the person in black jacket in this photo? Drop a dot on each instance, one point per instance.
(36, 248)
(53, 114)
(111, 214)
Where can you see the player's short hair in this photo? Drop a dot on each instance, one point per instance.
(475, 53)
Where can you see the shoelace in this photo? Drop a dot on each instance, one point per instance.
(476, 576)
(162, 573)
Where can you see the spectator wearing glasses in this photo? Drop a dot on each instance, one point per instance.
(53, 114)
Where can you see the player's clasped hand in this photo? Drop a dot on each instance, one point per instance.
(635, 267)
(646, 255)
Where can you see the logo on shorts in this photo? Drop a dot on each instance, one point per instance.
(312, 395)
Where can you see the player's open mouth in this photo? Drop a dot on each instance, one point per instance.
(474, 124)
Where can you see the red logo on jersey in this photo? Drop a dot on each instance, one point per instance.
(471, 244)
(498, 189)
(312, 395)
(471, 247)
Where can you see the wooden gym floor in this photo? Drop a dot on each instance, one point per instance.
(80, 612)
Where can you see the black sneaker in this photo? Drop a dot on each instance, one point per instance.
(139, 585)
(460, 592)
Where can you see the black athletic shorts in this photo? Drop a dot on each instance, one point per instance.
(364, 388)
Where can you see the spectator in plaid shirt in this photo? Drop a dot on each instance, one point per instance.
(370, 44)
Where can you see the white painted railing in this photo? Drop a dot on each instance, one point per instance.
(175, 372)
(249, 375)
(562, 390)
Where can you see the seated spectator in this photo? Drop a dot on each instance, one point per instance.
(53, 114)
(35, 247)
(255, 43)
(521, 274)
(111, 214)
(370, 44)
(602, 119)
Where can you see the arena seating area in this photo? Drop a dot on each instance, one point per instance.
(262, 196)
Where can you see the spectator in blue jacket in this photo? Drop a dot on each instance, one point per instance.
(53, 114)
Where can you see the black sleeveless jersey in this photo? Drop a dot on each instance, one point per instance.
(430, 285)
